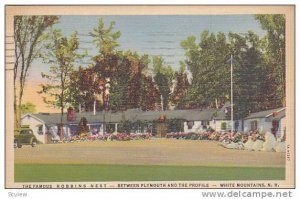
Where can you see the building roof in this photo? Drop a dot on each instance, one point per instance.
(203, 115)
(131, 115)
(137, 114)
(54, 118)
(220, 115)
(267, 114)
(280, 115)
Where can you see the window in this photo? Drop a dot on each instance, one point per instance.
(190, 124)
(40, 130)
(110, 128)
(74, 129)
(95, 128)
(25, 132)
(53, 130)
(149, 128)
(253, 125)
(204, 124)
(223, 126)
(236, 125)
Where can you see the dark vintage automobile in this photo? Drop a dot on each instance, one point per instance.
(24, 136)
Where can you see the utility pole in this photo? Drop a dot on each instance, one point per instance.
(162, 102)
(94, 107)
(231, 98)
(106, 87)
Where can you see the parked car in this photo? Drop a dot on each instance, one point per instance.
(24, 136)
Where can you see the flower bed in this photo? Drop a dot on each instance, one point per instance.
(252, 140)
(108, 137)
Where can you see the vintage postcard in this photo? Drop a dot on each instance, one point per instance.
(153, 97)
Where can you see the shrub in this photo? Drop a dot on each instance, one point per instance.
(223, 126)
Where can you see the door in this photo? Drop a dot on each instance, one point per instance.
(275, 126)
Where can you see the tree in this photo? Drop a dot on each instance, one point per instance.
(28, 108)
(180, 89)
(125, 126)
(107, 59)
(83, 128)
(151, 96)
(137, 81)
(274, 57)
(249, 73)
(119, 96)
(104, 38)
(125, 91)
(210, 73)
(29, 34)
(84, 88)
(62, 54)
(163, 76)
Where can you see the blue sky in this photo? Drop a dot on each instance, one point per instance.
(151, 34)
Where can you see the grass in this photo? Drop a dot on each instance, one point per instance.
(92, 173)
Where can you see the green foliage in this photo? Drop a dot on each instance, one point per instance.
(30, 33)
(104, 38)
(28, 108)
(207, 64)
(249, 73)
(180, 89)
(151, 95)
(84, 85)
(258, 68)
(163, 76)
(82, 126)
(135, 90)
(258, 72)
(223, 126)
(125, 126)
(175, 125)
(61, 54)
(159, 67)
(274, 58)
(128, 126)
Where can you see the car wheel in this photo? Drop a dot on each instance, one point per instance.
(33, 144)
(15, 144)
(19, 145)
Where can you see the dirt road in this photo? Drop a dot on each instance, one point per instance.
(147, 152)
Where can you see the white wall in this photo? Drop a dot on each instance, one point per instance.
(196, 128)
(34, 125)
(262, 125)
(214, 124)
(217, 124)
(282, 127)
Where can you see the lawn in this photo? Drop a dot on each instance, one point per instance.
(98, 172)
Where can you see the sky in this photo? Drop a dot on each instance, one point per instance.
(149, 34)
